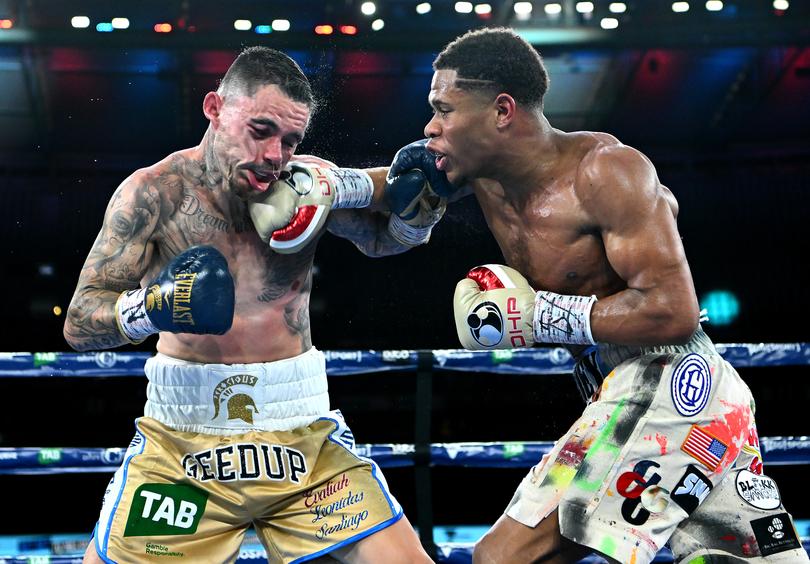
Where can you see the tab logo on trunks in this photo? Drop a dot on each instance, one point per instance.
(758, 490)
(165, 509)
(486, 324)
(775, 534)
(239, 405)
(692, 489)
(691, 385)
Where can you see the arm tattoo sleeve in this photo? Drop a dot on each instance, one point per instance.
(117, 261)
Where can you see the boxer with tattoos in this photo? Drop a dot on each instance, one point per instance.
(237, 430)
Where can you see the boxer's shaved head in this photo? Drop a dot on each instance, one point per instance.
(260, 66)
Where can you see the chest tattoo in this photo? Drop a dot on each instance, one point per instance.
(286, 273)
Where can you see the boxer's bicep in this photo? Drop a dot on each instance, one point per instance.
(368, 231)
(634, 215)
(117, 261)
(637, 225)
(123, 250)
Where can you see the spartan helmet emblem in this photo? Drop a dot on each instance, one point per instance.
(230, 392)
(241, 406)
(486, 324)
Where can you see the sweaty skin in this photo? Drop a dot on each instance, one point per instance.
(199, 196)
(575, 213)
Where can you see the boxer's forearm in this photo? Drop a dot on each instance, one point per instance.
(378, 178)
(367, 230)
(91, 323)
(660, 316)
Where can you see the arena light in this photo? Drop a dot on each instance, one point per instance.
(324, 29)
(46, 270)
(80, 22)
(585, 7)
(263, 29)
(609, 23)
(423, 8)
(722, 305)
(120, 23)
(6, 24)
(680, 7)
(464, 7)
(104, 27)
(348, 30)
(483, 9)
(553, 9)
(280, 25)
(617, 7)
(368, 8)
(163, 27)
(714, 5)
(523, 8)
(242, 25)
(781, 5)
(377, 24)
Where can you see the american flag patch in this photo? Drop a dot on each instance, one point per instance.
(704, 448)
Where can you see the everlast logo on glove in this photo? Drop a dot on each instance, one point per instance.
(153, 298)
(181, 311)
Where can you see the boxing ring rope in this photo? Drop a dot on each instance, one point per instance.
(422, 454)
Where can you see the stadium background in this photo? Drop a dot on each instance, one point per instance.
(720, 101)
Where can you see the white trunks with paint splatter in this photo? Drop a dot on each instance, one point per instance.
(668, 452)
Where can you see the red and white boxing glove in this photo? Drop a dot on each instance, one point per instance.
(495, 307)
(291, 213)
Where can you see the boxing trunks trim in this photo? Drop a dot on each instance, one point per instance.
(375, 472)
(136, 447)
(228, 399)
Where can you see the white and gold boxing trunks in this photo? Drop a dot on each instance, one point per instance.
(667, 453)
(226, 447)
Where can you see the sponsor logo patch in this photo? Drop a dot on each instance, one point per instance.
(775, 534)
(758, 490)
(486, 324)
(165, 509)
(691, 385)
(704, 448)
(632, 485)
(692, 489)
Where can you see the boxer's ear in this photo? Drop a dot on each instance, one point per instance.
(506, 107)
(212, 106)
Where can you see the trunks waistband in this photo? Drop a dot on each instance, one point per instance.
(598, 361)
(228, 399)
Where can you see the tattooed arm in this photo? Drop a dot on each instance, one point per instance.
(117, 261)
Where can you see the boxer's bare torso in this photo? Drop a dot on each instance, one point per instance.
(575, 228)
(162, 210)
(175, 204)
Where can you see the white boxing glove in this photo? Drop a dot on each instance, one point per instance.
(495, 307)
(291, 213)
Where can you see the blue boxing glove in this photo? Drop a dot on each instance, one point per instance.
(416, 192)
(193, 294)
(415, 156)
